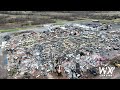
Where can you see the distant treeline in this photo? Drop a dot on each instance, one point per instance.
(68, 18)
(25, 20)
(17, 12)
(107, 17)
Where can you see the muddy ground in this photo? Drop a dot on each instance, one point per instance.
(3, 70)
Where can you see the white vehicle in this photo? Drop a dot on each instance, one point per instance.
(95, 20)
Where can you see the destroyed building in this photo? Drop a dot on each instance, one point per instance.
(75, 47)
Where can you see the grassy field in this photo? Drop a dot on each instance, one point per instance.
(59, 22)
(13, 21)
(11, 30)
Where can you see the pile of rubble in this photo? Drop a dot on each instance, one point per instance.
(71, 47)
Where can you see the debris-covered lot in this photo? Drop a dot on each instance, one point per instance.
(69, 51)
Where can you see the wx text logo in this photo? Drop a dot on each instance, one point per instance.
(106, 71)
